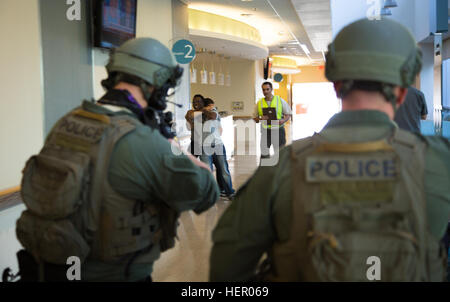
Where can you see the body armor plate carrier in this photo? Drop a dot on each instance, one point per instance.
(71, 208)
(354, 201)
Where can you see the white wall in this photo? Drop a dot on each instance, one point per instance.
(154, 19)
(446, 50)
(422, 26)
(414, 14)
(242, 87)
(259, 79)
(344, 12)
(21, 108)
(446, 87)
(99, 61)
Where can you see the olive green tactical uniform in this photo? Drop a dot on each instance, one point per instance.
(361, 192)
(108, 189)
(262, 215)
(143, 167)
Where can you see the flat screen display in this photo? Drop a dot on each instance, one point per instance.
(116, 22)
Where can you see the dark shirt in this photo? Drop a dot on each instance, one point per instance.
(409, 114)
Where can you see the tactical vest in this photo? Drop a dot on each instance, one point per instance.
(275, 103)
(358, 214)
(71, 208)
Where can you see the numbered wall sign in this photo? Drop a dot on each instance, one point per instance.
(184, 51)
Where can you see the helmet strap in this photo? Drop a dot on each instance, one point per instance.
(388, 92)
(145, 87)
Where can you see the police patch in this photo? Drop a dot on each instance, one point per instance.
(81, 129)
(335, 168)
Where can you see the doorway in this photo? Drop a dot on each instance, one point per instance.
(313, 106)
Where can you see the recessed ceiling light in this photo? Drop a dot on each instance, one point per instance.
(246, 0)
(246, 15)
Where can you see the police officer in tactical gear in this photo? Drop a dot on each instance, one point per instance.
(102, 187)
(359, 191)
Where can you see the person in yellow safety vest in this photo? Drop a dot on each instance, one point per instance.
(269, 129)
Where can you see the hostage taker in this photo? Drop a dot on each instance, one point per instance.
(102, 187)
(214, 149)
(197, 105)
(362, 191)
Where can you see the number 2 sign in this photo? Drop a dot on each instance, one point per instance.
(184, 51)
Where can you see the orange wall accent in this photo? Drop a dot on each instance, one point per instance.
(310, 74)
(9, 191)
(283, 91)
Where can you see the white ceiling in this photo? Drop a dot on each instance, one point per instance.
(227, 45)
(283, 24)
(316, 18)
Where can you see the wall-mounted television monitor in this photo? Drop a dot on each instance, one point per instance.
(114, 22)
(267, 66)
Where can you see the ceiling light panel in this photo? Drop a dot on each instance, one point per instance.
(316, 18)
(263, 19)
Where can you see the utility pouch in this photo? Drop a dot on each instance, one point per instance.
(52, 186)
(169, 224)
(52, 189)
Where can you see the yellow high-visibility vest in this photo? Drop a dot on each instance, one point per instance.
(275, 103)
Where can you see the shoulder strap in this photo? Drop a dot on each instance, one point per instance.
(120, 125)
(413, 152)
(300, 192)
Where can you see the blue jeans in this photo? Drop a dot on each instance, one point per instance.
(222, 172)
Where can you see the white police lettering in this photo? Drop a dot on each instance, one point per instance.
(74, 272)
(74, 12)
(198, 292)
(374, 271)
(357, 168)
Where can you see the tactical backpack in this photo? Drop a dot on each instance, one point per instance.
(71, 208)
(357, 206)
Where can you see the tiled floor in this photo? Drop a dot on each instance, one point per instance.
(189, 259)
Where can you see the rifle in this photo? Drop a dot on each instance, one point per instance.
(161, 121)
